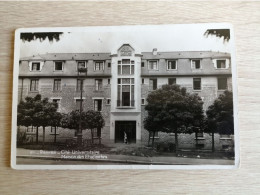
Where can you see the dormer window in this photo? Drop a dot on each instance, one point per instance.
(82, 64)
(172, 65)
(221, 64)
(153, 65)
(58, 66)
(99, 65)
(195, 64)
(35, 66)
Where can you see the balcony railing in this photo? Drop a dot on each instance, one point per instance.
(125, 104)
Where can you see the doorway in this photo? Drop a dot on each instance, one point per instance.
(128, 127)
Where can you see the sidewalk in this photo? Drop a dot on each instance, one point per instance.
(93, 156)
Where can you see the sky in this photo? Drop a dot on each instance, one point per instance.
(141, 38)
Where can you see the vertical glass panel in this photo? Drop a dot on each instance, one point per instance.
(119, 69)
(132, 81)
(126, 69)
(132, 95)
(132, 62)
(132, 69)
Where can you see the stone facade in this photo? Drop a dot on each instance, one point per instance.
(147, 70)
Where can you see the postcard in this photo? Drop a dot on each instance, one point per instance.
(125, 97)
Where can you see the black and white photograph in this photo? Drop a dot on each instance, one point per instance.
(125, 97)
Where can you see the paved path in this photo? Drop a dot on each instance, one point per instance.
(114, 158)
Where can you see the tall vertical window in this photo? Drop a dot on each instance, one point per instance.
(80, 84)
(97, 105)
(78, 102)
(221, 63)
(197, 83)
(153, 84)
(171, 65)
(82, 64)
(153, 65)
(125, 92)
(57, 101)
(34, 85)
(222, 83)
(58, 66)
(98, 84)
(171, 81)
(57, 85)
(35, 66)
(195, 64)
(126, 67)
(99, 65)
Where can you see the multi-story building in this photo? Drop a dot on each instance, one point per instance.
(117, 84)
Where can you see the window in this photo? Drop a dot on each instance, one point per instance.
(108, 81)
(171, 65)
(98, 84)
(35, 66)
(171, 81)
(82, 65)
(108, 101)
(99, 65)
(222, 83)
(78, 104)
(34, 85)
(98, 105)
(142, 101)
(125, 92)
(80, 84)
(221, 63)
(57, 85)
(153, 65)
(57, 101)
(142, 64)
(126, 67)
(58, 66)
(197, 83)
(109, 65)
(142, 81)
(195, 64)
(153, 84)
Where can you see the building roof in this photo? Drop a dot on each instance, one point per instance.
(145, 55)
(184, 54)
(70, 56)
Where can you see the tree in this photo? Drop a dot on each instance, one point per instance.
(89, 120)
(225, 33)
(41, 36)
(56, 122)
(220, 116)
(43, 116)
(94, 120)
(26, 112)
(172, 110)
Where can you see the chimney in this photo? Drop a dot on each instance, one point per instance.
(155, 51)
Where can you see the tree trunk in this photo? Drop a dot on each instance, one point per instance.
(43, 137)
(55, 134)
(92, 137)
(213, 141)
(153, 139)
(37, 134)
(176, 141)
(149, 139)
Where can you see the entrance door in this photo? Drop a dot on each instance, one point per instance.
(129, 127)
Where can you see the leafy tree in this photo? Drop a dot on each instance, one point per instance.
(172, 110)
(220, 116)
(94, 120)
(225, 33)
(41, 36)
(56, 122)
(26, 111)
